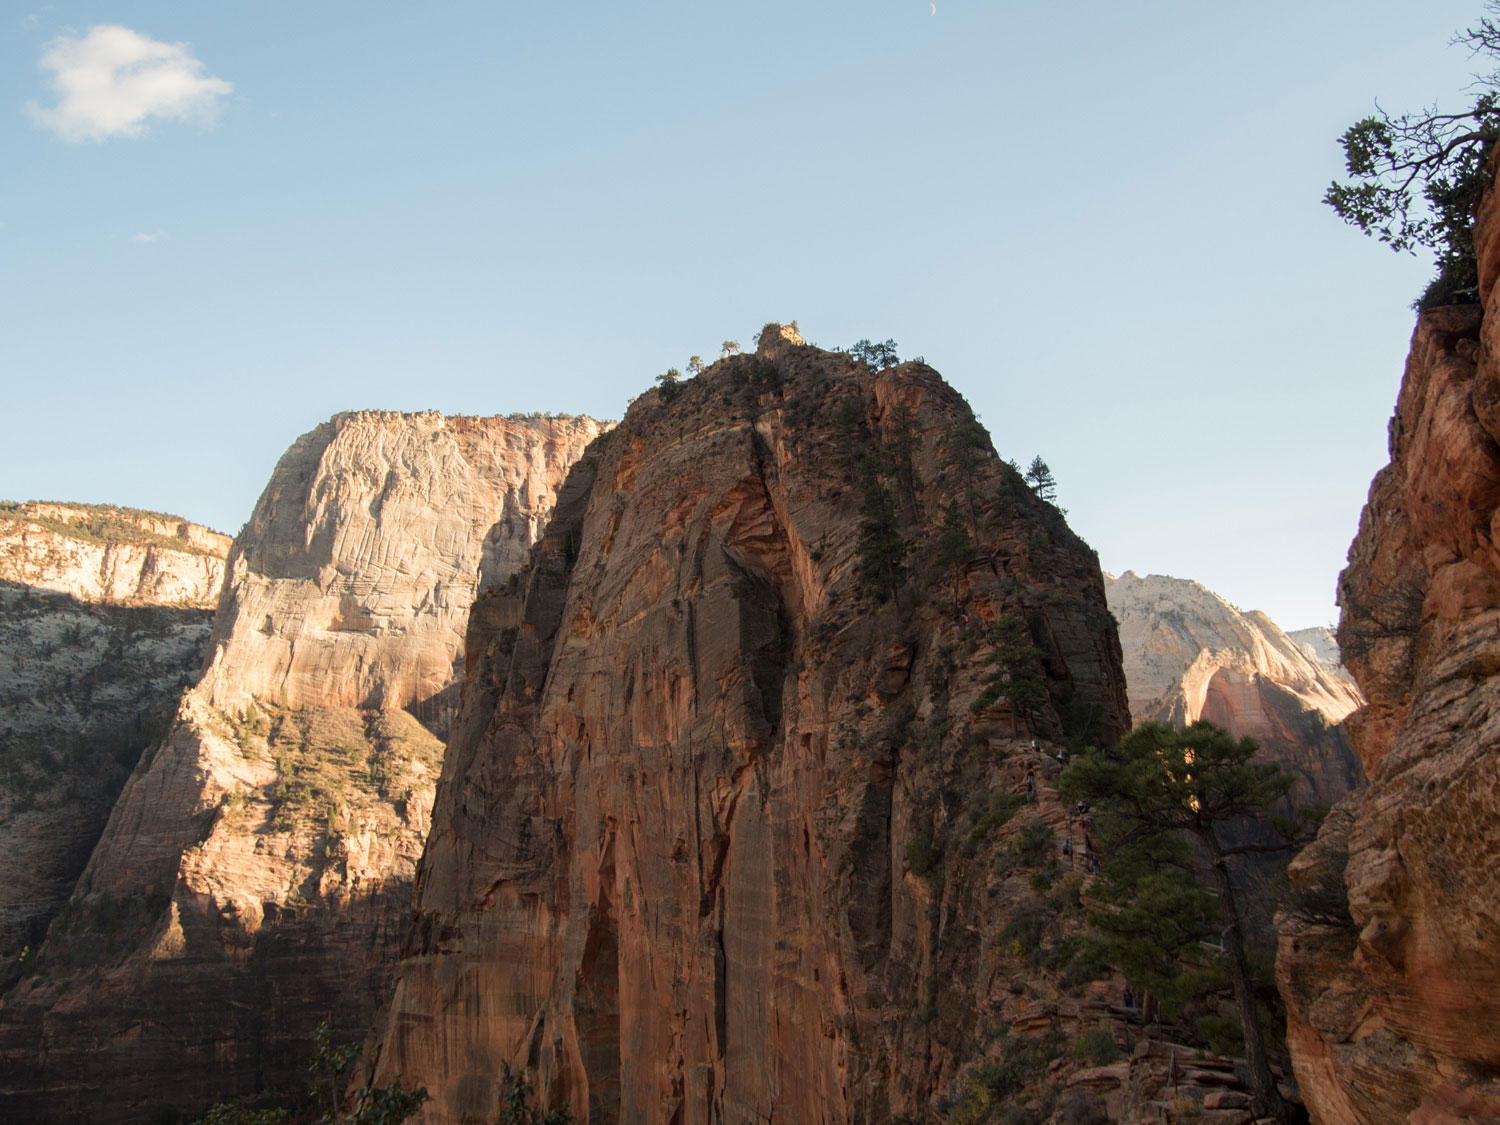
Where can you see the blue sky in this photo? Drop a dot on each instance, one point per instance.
(1100, 222)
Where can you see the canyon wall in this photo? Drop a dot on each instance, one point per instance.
(96, 553)
(1389, 954)
(104, 619)
(254, 878)
(718, 836)
(1190, 655)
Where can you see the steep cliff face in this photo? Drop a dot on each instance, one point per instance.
(1190, 655)
(95, 553)
(1390, 965)
(255, 874)
(711, 840)
(102, 624)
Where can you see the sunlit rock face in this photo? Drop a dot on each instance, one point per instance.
(98, 554)
(104, 619)
(669, 873)
(1190, 655)
(255, 875)
(1393, 996)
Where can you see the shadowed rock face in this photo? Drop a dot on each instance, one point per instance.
(98, 637)
(1190, 655)
(1392, 1006)
(255, 875)
(669, 868)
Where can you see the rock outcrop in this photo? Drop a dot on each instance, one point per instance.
(1190, 655)
(1389, 958)
(718, 836)
(255, 875)
(95, 553)
(104, 619)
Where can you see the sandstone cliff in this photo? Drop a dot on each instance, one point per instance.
(102, 624)
(255, 875)
(718, 837)
(97, 553)
(1389, 960)
(1190, 655)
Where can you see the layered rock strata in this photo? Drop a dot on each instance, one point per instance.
(1389, 955)
(96, 553)
(711, 841)
(1190, 655)
(104, 619)
(255, 875)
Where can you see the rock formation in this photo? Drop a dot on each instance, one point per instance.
(1190, 655)
(718, 837)
(104, 619)
(255, 875)
(96, 553)
(1389, 956)
(1320, 646)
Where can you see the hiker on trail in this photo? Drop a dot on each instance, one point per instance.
(1068, 852)
(1129, 997)
(1035, 749)
(1030, 784)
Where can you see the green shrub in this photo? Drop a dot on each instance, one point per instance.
(1223, 1034)
(1002, 806)
(1033, 843)
(1097, 1047)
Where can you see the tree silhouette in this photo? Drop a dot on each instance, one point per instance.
(1039, 477)
(1161, 786)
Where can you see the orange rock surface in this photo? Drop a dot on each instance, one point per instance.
(255, 875)
(1395, 1005)
(676, 871)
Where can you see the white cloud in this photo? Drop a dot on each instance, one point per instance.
(112, 81)
(155, 236)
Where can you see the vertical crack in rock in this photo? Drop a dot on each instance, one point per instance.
(711, 677)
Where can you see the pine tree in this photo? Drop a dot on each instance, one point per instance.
(901, 445)
(964, 451)
(1017, 677)
(882, 550)
(954, 547)
(1161, 787)
(1039, 477)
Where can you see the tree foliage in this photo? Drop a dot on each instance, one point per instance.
(1040, 478)
(516, 1107)
(330, 1067)
(903, 440)
(1017, 676)
(875, 356)
(1163, 790)
(1414, 178)
(882, 550)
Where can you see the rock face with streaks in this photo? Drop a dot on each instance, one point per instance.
(255, 875)
(104, 619)
(710, 842)
(1190, 655)
(1390, 960)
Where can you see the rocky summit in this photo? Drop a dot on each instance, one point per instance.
(1190, 655)
(104, 619)
(715, 837)
(254, 878)
(1389, 955)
